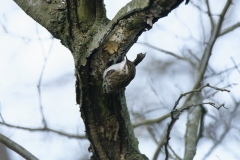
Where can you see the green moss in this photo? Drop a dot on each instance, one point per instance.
(86, 14)
(136, 23)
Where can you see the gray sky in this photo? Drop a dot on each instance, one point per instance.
(160, 79)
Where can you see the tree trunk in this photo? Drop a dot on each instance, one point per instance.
(96, 43)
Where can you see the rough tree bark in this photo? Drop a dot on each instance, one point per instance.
(96, 43)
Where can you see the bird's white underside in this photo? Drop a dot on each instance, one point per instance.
(117, 67)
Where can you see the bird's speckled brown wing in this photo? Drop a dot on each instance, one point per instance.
(111, 81)
(115, 80)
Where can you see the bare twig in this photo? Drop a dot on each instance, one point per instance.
(40, 82)
(16, 147)
(229, 29)
(164, 51)
(200, 8)
(149, 129)
(212, 94)
(175, 115)
(229, 69)
(174, 153)
(209, 103)
(140, 57)
(227, 123)
(160, 145)
(157, 120)
(198, 90)
(151, 121)
(209, 15)
(208, 50)
(44, 129)
(235, 65)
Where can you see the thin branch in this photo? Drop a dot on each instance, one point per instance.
(160, 145)
(149, 129)
(164, 51)
(210, 15)
(226, 124)
(174, 153)
(140, 57)
(157, 120)
(235, 65)
(38, 9)
(41, 76)
(229, 69)
(226, 130)
(175, 115)
(44, 129)
(209, 103)
(212, 94)
(151, 121)
(229, 29)
(202, 66)
(199, 90)
(17, 148)
(199, 7)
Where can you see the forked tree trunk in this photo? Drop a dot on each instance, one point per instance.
(96, 43)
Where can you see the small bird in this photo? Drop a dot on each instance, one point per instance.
(118, 76)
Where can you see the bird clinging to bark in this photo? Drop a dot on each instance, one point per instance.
(118, 76)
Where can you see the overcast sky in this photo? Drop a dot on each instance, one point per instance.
(26, 48)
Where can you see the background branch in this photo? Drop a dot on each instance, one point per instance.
(16, 147)
(157, 120)
(229, 29)
(45, 129)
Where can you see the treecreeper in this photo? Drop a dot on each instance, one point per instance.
(118, 76)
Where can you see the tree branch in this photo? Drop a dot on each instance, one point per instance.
(16, 147)
(50, 15)
(175, 115)
(139, 58)
(44, 129)
(210, 15)
(160, 144)
(227, 70)
(128, 24)
(192, 132)
(227, 123)
(164, 51)
(157, 120)
(190, 153)
(229, 29)
(207, 53)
